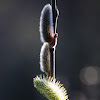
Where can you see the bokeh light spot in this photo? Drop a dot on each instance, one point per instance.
(89, 75)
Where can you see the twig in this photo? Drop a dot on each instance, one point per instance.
(52, 50)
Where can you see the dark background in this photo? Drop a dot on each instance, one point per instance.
(78, 49)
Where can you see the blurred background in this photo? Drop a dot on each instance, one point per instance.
(78, 49)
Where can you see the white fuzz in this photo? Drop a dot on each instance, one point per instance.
(45, 58)
(46, 24)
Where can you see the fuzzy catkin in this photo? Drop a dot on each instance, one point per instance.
(50, 88)
(45, 58)
(46, 24)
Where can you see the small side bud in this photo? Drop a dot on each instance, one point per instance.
(53, 43)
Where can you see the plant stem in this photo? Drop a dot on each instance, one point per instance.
(54, 12)
(52, 62)
(52, 50)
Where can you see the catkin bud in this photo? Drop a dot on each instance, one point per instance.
(45, 58)
(46, 24)
(50, 88)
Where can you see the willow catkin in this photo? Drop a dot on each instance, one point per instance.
(50, 88)
(46, 24)
(45, 58)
